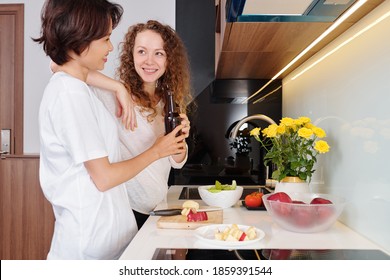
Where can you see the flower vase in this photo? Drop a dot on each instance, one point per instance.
(292, 185)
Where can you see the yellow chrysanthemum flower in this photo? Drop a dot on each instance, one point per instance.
(288, 122)
(297, 122)
(255, 131)
(305, 132)
(271, 130)
(281, 129)
(309, 125)
(303, 120)
(321, 146)
(265, 132)
(319, 132)
(293, 147)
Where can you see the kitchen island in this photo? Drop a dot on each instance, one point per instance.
(150, 238)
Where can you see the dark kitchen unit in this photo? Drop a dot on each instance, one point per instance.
(210, 155)
(217, 106)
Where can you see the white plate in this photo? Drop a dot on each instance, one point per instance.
(207, 233)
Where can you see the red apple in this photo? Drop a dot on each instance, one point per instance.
(281, 209)
(323, 212)
(320, 200)
(197, 216)
(298, 202)
(280, 196)
(242, 237)
(303, 216)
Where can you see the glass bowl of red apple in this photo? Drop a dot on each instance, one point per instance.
(304, 212)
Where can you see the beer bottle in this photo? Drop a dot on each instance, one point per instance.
(172, 118)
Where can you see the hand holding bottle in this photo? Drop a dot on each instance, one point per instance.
(172, 117)
(170, 144)
(186, 123)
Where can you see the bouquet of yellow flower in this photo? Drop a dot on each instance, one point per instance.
(292, 146)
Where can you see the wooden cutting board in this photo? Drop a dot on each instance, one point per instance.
(180, 221)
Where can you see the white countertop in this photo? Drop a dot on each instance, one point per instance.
(151, 237)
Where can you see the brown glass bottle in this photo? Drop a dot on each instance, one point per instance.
(172, 117)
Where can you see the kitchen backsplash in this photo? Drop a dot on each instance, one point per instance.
(348, 94)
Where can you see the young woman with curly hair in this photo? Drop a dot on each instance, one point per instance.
(153, 60)
(175, 74)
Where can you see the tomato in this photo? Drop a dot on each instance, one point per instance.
(254, 199)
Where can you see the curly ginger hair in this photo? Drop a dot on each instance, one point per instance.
(177, 74)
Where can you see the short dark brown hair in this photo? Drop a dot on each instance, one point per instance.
(71, 25)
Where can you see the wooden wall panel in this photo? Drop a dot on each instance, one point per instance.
(26, 218)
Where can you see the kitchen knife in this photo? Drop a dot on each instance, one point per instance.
(177, 211)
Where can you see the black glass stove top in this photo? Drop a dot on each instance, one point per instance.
(268, 254)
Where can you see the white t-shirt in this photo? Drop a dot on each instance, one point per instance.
(150, 186)
(76, 127)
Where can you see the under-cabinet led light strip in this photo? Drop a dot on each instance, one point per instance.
(265, 96)
(342, 44)
(340, 20)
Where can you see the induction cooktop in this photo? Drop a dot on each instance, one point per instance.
(268, 254)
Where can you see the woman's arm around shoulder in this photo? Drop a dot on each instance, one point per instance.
(125, 104)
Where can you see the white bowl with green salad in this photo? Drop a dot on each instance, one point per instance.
(221, 195)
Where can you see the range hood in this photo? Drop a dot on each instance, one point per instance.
(285, 11)
(235, 91)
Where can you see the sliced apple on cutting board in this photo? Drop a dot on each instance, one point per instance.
(180, 221)
(190, 218)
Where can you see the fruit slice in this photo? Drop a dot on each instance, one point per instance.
(242, 237)
(189, 205)
(196, 216)
(251, 233)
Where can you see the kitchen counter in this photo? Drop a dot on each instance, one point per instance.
(150, 237)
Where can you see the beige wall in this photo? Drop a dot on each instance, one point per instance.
(348, 94)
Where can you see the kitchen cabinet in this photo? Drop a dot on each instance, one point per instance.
(26, 218)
